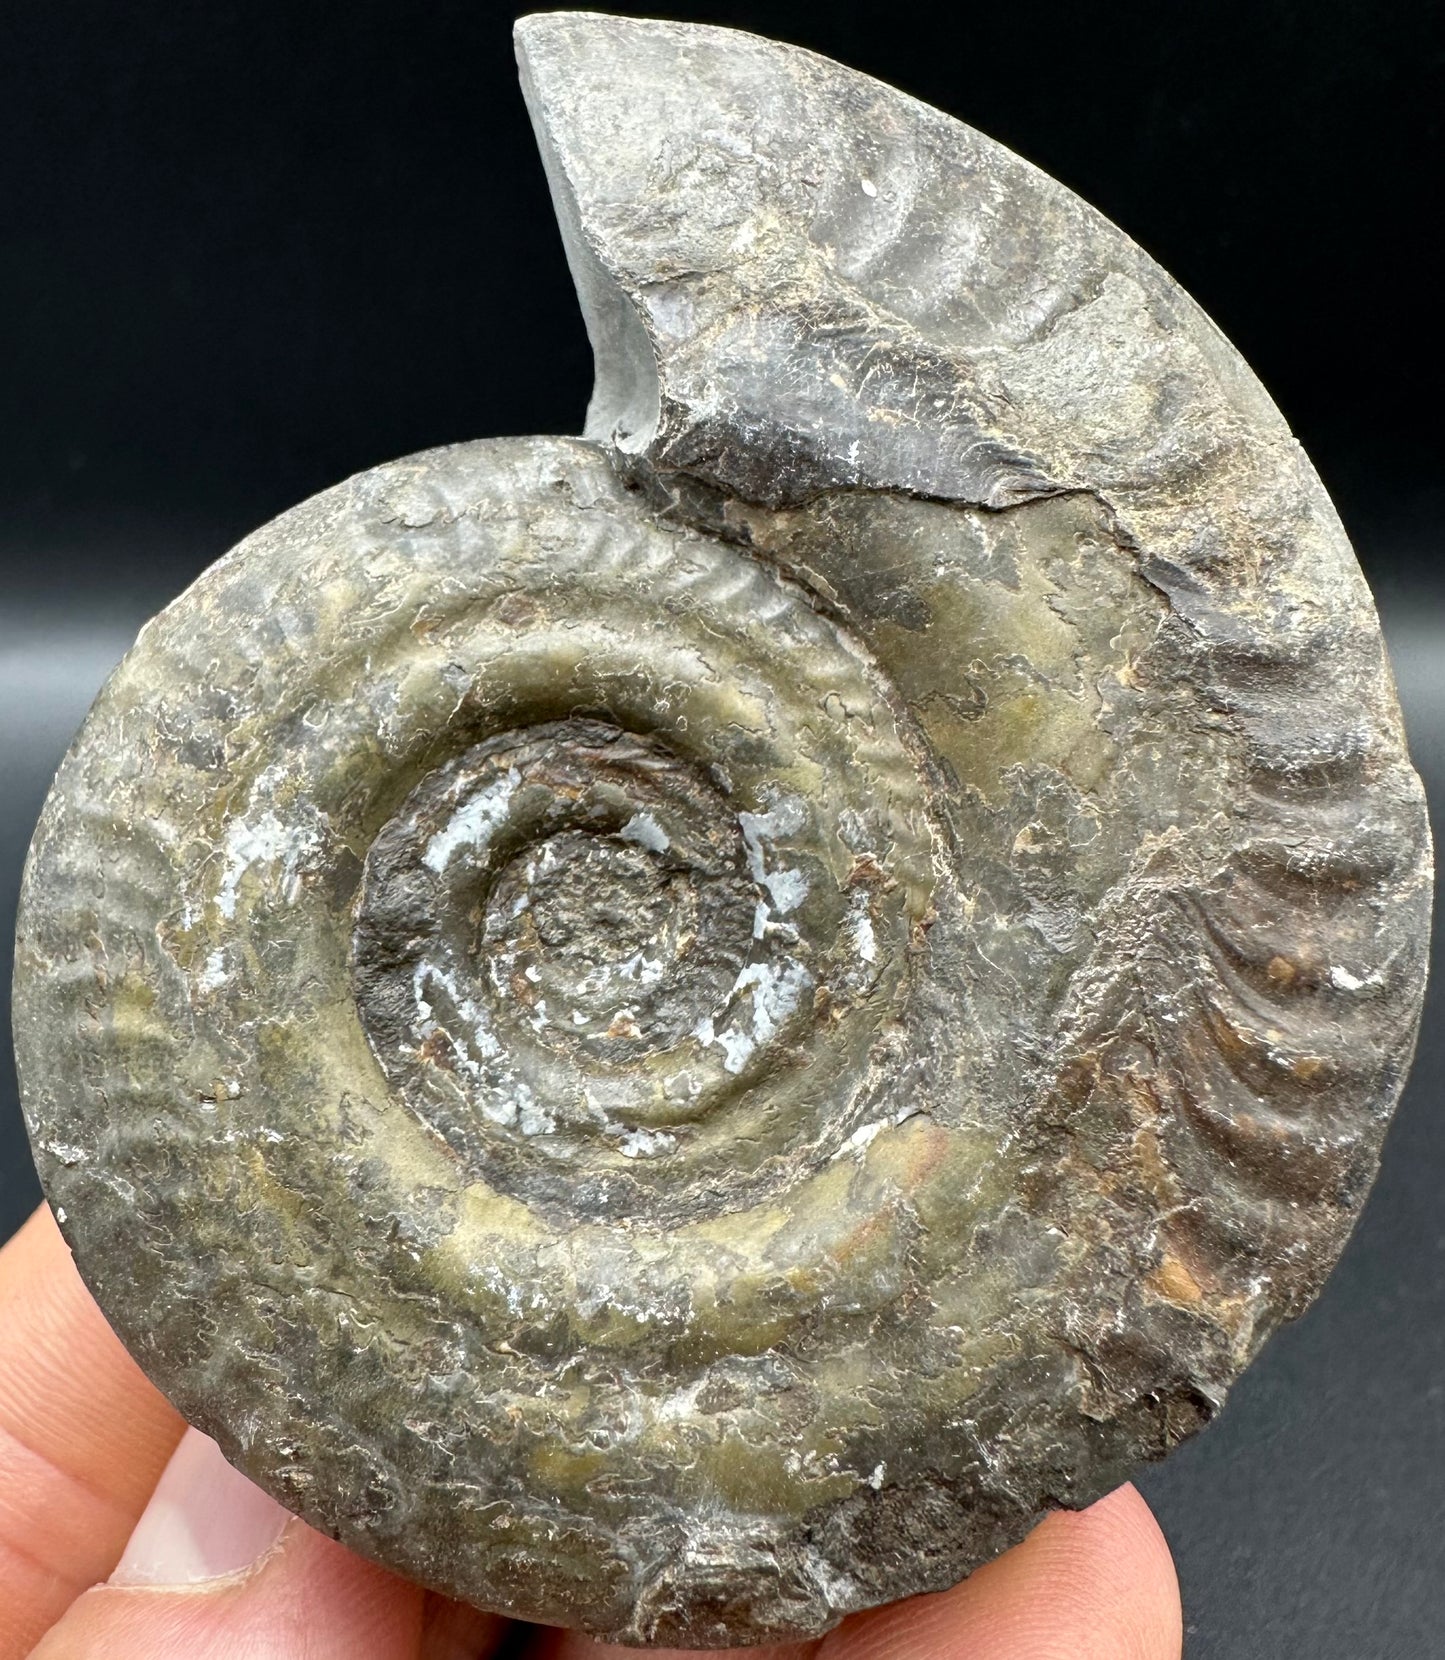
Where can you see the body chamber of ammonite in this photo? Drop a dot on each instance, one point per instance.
(679, 1032)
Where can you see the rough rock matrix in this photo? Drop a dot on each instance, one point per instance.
(679, 1032)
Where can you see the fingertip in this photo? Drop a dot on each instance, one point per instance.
(1111, 1568)
(215, 1568)
(83, 1436)
(553, 1644)
(1095, 1584)
(205, 1521)
(1121, 1527)
(66, 1380)
(307, 1596)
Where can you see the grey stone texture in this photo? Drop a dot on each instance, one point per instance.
(679, 1033)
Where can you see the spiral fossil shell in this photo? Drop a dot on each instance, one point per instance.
(678, 1032)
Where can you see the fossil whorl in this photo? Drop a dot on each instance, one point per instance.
(679, 1032)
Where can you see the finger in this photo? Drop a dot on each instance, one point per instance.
(215, 1570)
(572, 1645)
(83, 1437)
(1096, 1584)
(452, 1631)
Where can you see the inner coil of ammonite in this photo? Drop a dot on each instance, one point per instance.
(614, 993)
(679, 1032)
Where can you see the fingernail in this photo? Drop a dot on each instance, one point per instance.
(204, 1521)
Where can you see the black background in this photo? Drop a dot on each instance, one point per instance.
(246, 250)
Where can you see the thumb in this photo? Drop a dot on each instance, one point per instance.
(216, 1569)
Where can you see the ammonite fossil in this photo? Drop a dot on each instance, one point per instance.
(678, 1032)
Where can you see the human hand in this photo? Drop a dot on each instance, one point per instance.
(125, 1536)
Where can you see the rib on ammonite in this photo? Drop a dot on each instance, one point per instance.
(679, 1032)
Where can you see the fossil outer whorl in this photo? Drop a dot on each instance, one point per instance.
(677, 1033)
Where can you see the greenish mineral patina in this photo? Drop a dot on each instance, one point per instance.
(681, 1031)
